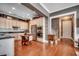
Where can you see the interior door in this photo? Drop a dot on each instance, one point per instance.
(66, 28)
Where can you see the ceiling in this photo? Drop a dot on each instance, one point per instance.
(23, 12)
(53, 7)
(17, 10)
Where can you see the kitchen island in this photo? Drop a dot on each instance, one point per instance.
(7, 46)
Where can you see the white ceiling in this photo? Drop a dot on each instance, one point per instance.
(16, 10)
(53, 7)
(22, 12)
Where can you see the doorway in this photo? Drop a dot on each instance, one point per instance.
(72, 25)
(67, 26)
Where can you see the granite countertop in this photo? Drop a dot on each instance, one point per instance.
(5, 37)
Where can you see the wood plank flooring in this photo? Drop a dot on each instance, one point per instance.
(63, 48)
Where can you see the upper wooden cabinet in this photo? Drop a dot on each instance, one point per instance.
(2, 22)
(9, 23)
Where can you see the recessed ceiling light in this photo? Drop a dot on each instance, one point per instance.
(13, 8)
(10, 12)
(28, 15)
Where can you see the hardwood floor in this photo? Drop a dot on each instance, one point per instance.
(63, 48)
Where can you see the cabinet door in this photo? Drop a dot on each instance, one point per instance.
(10, 46)
(2, 47)
(2, 22)
(7, 47)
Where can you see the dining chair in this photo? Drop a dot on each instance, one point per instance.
(25, 40)
(52, 38)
